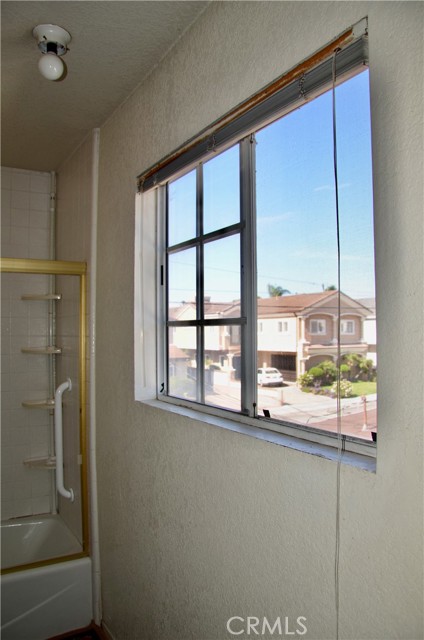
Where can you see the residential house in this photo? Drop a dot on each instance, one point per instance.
(294, 332)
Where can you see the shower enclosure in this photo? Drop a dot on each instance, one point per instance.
(45, 546)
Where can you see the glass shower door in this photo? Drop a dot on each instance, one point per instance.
(43, 345)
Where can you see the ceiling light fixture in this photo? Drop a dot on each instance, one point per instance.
(53, 42)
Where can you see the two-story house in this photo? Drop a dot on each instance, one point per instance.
(295, 332)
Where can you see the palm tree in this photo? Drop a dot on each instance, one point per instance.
(276, 291)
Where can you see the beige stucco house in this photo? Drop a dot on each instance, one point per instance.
(295, 332)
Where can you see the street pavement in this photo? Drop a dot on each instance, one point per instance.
(291, 404)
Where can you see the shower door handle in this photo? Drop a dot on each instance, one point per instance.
(58, 435)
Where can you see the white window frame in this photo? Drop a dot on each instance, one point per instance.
(151, 313)
(317, 322)
(344, 324)
(283, 326)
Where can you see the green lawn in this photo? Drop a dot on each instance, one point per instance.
(361, 388)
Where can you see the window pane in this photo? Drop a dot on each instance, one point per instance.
(181, 282)
(182, 372)
(221, 191)
(297, 263)
(222, 277)
(182, 209)
(223, 367)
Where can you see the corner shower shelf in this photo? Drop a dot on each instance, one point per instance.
(41, 296)
(48, 462)
(42, 350)
(39, 404)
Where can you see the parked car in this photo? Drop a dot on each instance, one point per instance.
(268, 376)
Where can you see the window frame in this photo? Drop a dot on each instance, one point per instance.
(343, 324)
(149, 347)
(322, 321)
(246, 416)
(246, 228)
(283, 326)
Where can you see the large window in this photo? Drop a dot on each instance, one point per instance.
(262, 248)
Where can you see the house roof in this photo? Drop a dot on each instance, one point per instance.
(175, 353)
(369, 303)
(293, 304)
(304, 303)
(278, 306)
(211, 309)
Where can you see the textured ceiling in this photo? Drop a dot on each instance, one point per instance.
(114, 46)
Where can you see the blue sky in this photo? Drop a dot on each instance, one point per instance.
(296, 211)
(296, 230)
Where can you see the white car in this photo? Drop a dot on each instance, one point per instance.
(269, 376)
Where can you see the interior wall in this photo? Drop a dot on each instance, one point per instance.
(26, 433)
(199, 524)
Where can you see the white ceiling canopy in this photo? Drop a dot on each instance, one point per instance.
(115, 45)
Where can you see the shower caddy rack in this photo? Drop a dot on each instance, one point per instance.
(45, 462)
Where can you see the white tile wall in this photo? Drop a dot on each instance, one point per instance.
(25, 213)
(25, 224)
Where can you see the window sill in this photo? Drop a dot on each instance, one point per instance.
(241, 425)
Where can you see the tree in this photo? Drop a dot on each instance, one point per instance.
(276, 291)
(331, 287)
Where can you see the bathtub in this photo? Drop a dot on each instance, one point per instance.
(49, 600)
(34, 539)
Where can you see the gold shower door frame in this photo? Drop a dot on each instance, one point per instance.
(64, 268)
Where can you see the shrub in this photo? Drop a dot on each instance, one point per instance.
(345, 370)
(316, 372)
(346, 388)
(305, 380)
(361, 368)
(329, 371)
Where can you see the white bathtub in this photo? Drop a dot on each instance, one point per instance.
(46, 601)
(34, 539)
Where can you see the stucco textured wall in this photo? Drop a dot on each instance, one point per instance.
(199, 524)
(73, 238)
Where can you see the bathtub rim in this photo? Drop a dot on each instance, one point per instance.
(44, 563)
(68, 585)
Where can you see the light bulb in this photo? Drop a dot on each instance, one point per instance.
(51, 66)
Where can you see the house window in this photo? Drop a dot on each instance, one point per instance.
(317, 327)
(347, 327)
(262, 201)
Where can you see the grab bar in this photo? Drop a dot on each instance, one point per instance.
(58, 434)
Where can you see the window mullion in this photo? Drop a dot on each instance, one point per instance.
(162, 297)
(248, 276)
(200, 289)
